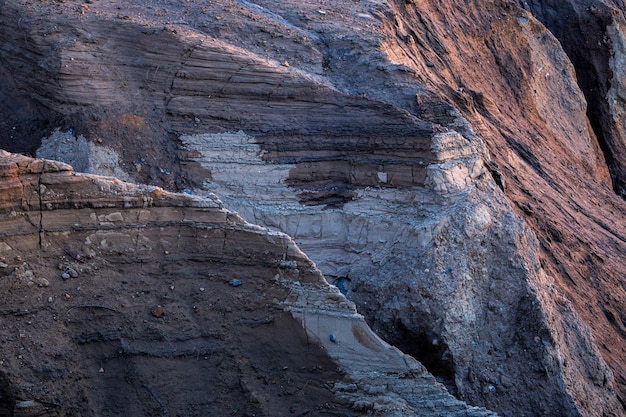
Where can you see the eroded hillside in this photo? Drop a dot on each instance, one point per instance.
(129, 300)
(438, 163)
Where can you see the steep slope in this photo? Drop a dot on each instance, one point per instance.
(128, 300)
(518, 90)
(372, 147)
(592, 35)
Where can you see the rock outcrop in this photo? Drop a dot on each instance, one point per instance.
(436, 161)
(129, 300)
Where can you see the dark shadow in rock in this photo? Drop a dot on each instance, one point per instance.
(431, 351)
(7, 397)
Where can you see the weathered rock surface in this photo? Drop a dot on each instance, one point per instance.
(153, 323)
(592, 35)
(380, 149)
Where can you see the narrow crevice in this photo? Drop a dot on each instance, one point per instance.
(40, 208)
(594, 114)
(7, 397)
(581, 35)
(622, 402)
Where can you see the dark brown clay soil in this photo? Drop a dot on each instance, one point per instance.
(234, 349)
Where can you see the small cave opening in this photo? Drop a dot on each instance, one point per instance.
(27, 112)
(23, 127)
(344, 284)
(430, 349)
(25, 120)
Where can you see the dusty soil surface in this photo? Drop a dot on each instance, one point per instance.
(128, 300)
(92, 345)
(135, 311)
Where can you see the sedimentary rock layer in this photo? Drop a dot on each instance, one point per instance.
(123, 299)
(434, 160)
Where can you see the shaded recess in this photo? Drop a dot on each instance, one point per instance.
(430, 350)
(7, 397)
(24, 120)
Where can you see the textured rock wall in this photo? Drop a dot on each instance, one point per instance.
(538, 133)
(592, 35)
(369, 147)
(116, 300)
(443, 272)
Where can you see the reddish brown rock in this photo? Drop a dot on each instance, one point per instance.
(157, 311)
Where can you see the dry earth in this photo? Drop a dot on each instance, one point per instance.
(456, 169)
(129, 300)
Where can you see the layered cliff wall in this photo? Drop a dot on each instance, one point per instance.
(122, 299)
(435, 161)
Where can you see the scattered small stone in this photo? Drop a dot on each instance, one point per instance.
(333, 338)
(158, 311)
(201, 289)
(42, 282)
(26, 404)
(321, 12)
(73, 273)
(3, 265)
(50, 299)
(286, 64)
(65, 275)
(101, 370)
(235, 282)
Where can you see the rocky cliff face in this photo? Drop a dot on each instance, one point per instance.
(439, 163)
(128, 300)
(592, 35)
